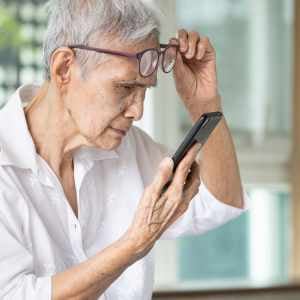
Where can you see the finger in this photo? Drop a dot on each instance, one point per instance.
(174, 41)
(193, 39)
(188, 196)
(209, 47)
(198, 158)
(169, 215)
(162, 216)
(167, 204)
(201, 49)
(163, 175)
(183, 40)
(204, 46)
(193, 180)
(192, 191)
(183, 168)
(180, 210)
(157, 210)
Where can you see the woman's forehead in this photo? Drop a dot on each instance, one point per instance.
(130, 46)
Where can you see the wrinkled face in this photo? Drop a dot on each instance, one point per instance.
(105, 103)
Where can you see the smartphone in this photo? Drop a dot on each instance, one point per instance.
(199, 133)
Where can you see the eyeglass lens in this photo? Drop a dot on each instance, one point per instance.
(149, 61)
(169, 59)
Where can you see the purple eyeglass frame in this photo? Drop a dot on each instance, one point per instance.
(137, 56)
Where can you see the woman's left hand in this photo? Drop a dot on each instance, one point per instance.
(195, 70)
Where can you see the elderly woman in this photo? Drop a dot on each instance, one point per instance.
(81, 202)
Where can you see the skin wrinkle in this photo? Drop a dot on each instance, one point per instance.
(76, 112)
(92, 130)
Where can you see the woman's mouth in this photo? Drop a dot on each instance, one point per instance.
(119, 131)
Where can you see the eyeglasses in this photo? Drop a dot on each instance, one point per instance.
(148, 59)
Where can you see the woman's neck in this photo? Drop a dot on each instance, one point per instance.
(50, 129)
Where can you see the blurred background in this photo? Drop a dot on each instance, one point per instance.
(256, 47)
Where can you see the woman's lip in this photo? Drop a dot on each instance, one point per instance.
(122, 132)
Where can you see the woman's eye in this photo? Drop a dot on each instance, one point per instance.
(128, 87)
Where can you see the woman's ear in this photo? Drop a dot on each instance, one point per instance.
(61, 64)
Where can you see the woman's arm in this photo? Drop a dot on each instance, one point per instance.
(91, 278)
(157, 210)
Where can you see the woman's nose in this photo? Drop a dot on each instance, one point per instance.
(135, 106)
(135, 109)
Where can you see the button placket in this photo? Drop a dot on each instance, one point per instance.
(122, 170)
(32, 183)
(112, 197)
(76, 237)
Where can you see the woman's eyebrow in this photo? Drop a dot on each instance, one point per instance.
(136, 83)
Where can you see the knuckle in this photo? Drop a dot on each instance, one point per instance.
(155, 193)
(205, 39)
(183, 167)
(197, 182)
(165, 173)
(194, 33)
(200, 46)
(182, 33)
(166, 177)
(185, 205)
(176, 192)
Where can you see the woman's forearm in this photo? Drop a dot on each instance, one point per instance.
(91, 278)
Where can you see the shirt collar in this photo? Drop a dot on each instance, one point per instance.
(16, 145)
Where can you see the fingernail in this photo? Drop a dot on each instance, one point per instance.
(168, 161)
(189, 55)
(198, 146)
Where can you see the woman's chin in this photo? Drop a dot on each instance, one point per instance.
(109, 143)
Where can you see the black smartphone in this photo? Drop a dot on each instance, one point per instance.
(199, 133)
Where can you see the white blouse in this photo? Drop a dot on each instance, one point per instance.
(39, 233)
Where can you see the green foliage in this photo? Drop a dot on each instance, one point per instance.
(10, 30)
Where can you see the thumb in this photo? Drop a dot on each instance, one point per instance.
(179, 66)
(166, 164)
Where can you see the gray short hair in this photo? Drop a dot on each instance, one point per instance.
(84, 21)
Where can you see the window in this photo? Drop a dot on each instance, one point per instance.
(254, 42)
(22, 25)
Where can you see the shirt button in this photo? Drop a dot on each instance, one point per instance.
(122, 171)
(32, 181)
(112, 197)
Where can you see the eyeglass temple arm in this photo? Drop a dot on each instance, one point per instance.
(99, 50)
(168, 45)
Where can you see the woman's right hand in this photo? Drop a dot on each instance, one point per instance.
(158, 209)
